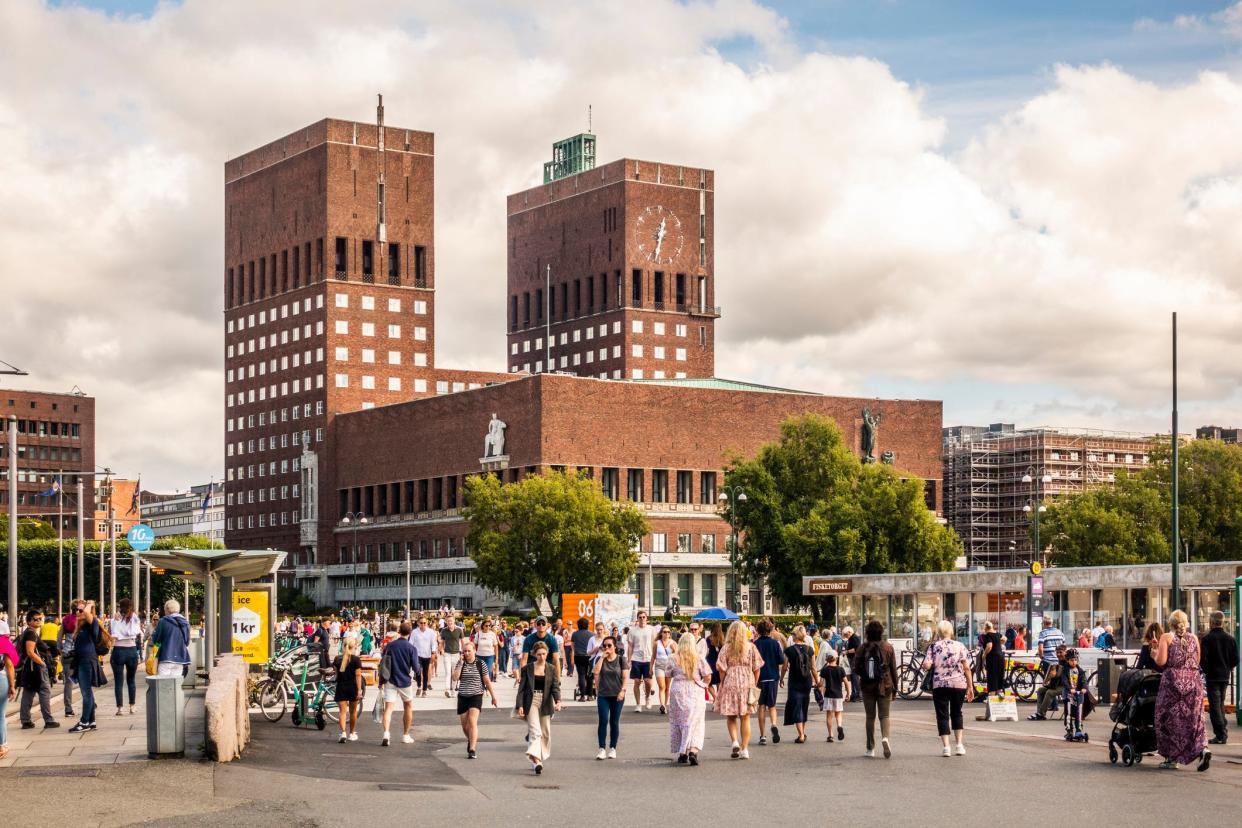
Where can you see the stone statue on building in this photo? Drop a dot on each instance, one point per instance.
(494, 442)
(871, 425)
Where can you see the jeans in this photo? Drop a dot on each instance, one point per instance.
(609, 709)
(948, 701)
(875, 703)
(425, 680)
(66, 676)
(1217, 691)
(490, 663)
(86, 683)
(585, 677)
(44, 694)
(1046, 697)
(125, 660)
(4, 703)
(503, 653)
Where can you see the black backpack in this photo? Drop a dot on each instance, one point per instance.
(873, 664)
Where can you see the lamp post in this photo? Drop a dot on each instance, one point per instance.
(1038, 505)
(407, 580)
(354, 519)
(729, 497)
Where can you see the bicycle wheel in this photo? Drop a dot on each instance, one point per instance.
(272, 699)
(910, 682)
(330, 709)
(1022, 680)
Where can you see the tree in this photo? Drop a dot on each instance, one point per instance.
(813, 508)
(27, 529)
(550, 534)
(1131, 521)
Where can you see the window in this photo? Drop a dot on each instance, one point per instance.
(680, 330)
(659, 586)
(636, 286)
(368, 258)
(342, 300)
(659, 351)
(636, 373)
(611, 483)
(683, 546)
(420, 386)
(342, 354)
(659, 485)
(420, 359)
(420, 334)
(368, 303)
(707, 590)
(342, 380)
(420, 266)
(636, 326)
(342, 326)
(394, 383)
(634, 485)
(394, 357)
(709, 544)
(368, 329)
(420, 307)
(636, 350)
(707, 488)
(685, 487)
(340, 262)
(394, 331)
(368, 355)
(681, 354)
(368, 381)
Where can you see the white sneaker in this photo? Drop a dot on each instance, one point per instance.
(961, 749)
(408, 739)
(946, 751)
(869, 753)
(342, 739)
(612, 753)
(131, 710)
(447, 694)
(744, 755)
(888, 751)
(603, 754)
(353, 737)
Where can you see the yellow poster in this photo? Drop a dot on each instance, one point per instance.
(252, 619)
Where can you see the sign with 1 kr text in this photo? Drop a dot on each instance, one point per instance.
(252, 616)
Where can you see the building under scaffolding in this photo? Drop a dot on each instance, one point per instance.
(984, 490)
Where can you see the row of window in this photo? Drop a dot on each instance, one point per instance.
(635, 373)
(273, 365)
(46, 428)
(263, 317)
(264, 495)
(261, 520)
(666, 586)
(414, 550)
(271, 468)
(368, 329)
(463, 576)
(570, 300)
(637, 481)
(368, 356)
(294, 268)
(285, 414)
(213, 515)
(275, 391)
(367, 303)
(52, 454)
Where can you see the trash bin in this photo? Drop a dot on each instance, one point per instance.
(1108, 673)
(198, 661)
(165, 717)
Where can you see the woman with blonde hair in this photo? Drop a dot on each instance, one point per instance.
(1180, 735)
(349, 687)
(689, 677)
(952, 684)
(738, 664)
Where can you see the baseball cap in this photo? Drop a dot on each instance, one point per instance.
(541, 620)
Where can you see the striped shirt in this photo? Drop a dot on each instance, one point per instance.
(1049, 639)
(471, 682)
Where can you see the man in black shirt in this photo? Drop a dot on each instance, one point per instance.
(1219, 658)
(852, 643)
(33, 676)
(581, 639)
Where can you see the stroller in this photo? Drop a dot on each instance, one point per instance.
(1134, 733)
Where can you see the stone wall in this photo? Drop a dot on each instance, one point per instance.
(227, 710)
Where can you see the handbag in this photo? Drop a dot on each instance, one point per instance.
(152, 665)
(753, 697)
(377, 709)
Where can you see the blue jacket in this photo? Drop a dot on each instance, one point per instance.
(172, 635)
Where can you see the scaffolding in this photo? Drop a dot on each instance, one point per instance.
(570, 157)
(984, 492)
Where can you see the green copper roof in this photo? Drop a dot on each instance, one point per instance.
(719, 384)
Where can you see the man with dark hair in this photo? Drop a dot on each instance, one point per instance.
(773, 655)
(33, 675)
(581, 640)
(1219, 658)
(400, 661)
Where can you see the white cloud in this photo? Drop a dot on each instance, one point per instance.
(1035, 269)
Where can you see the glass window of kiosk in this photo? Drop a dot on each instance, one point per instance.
(1077, 615)
(961, 617)
(929, 615)
(1208, 601)
(1110, 611)
(849, 612)
(875, 608)
(901, 609)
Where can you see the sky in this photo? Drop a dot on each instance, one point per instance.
(997, 205)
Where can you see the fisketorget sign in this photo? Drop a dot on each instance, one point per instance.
(826, 586)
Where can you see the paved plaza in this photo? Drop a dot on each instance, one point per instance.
(301, 776)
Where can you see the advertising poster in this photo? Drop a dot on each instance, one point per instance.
(252, 620)
(575, 605)
(618, 608)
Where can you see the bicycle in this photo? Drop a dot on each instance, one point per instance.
(910, 675)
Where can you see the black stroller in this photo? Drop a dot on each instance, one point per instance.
(1134, 733)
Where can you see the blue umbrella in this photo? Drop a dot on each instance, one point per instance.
(715, 614)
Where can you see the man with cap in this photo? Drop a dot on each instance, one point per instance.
(544, 634)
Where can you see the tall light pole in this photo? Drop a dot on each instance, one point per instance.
(407, 579)
(1175, 597)
(13, 521)
(729, 497)
(81, 582)
(1036, 505)
(354, 519)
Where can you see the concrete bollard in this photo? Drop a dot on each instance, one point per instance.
(227, 712)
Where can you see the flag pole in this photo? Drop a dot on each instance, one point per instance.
(60, 546)
(135, 574)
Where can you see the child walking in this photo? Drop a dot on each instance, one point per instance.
(835, 686)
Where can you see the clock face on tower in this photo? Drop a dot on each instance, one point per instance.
(658, 235)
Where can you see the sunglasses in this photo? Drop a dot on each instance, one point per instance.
(607, 646)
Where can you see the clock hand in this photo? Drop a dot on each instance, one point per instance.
(660, 232)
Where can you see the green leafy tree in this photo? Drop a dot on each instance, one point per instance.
(27, 529)
(550, 534)
(813, 508)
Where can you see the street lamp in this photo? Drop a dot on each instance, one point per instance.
(354, 519)
(1045, 479)
(729, 497)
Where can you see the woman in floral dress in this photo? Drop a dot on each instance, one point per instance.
(1180, 736)
(689, 677)
(738, 664)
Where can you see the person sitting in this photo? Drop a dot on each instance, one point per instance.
(1051, 689)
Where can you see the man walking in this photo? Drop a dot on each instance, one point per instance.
(426, 643)
(640, 644)
(34, 673)
(401, 663)
(1219, 658)
(450, 651)
(172, 640)
(773, 656)
(543, 634)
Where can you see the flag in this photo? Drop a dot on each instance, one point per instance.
(55, 488)
(133, 504)
(206, 500)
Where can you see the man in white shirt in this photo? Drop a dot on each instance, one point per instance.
(426, 642)
(4, 623)
(640, 644)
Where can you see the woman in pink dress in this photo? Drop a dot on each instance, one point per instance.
(689, 676)
(738, 664)
(1180, 736)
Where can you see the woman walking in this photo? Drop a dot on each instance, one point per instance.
(875, 667)
(539, 696)
(126, 629)
(689, 677)
(798, 671)
(738, 664)
(610, 674)
(952, 684)
(487, 646)
(665, 649)
(85, 663)
(1151, 643)
(715, 643)
(8, 688)
(993, 659)
(473, 676)
(349, 687)
(1180, 734)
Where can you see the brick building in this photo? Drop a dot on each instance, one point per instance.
(126, 506)
(610, 270)
(335, 407)
(991, 506)
(55, 438)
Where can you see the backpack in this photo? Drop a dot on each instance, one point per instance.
(385, 668)
(873, 664)
(1100, 641)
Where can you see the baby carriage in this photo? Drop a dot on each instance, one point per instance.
(1134, 733)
